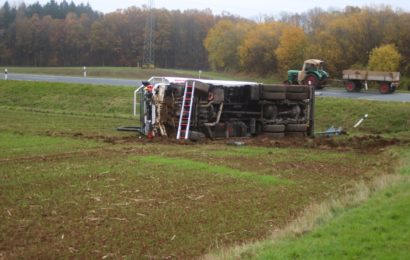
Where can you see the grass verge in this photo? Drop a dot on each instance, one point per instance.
(370, 222)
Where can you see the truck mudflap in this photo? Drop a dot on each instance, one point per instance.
(223, 109)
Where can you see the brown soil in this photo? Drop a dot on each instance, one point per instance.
(367, 143)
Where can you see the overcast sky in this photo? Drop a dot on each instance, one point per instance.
(248, 9)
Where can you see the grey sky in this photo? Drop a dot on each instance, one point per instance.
(248, 9)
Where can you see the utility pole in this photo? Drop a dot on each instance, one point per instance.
(149, 52)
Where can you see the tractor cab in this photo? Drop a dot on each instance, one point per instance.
(312, 73)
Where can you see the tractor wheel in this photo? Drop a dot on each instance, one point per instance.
(274, 95)
(384, 88)
(274, 135)
(296, 128)
(297, 96)
(297, 89)
(274, 88)
(274, 128)
(313, 81)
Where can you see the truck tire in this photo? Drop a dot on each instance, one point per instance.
(296, 128)
(274, 95)
(274, 88)
(275, 135)
(297, 89)
(274, 128)
(297, 96)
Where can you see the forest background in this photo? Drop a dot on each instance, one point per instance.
(66, 34)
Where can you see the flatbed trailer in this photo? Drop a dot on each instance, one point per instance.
(355, 80)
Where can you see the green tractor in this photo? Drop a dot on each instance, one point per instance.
(312, 73)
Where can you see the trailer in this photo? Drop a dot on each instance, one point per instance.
(186, 108)
(355, 80)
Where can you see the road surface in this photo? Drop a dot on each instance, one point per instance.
(327, 92)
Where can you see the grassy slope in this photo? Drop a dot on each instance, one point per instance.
(384, 117)
(154, 205)
(378, 229)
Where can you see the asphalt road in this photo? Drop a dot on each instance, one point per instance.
(80, 80)
(327, 92)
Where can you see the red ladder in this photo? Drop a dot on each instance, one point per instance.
(186, 111)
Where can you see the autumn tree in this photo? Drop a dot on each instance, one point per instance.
(257, 51)
(223, 41)
(384, 58)
(292, 48)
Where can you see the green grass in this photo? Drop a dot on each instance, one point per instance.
(12, 145)
(200, 167)
(67, 97)
(378, 229)
(384, 117)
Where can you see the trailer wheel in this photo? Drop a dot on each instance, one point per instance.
(275, 135)
(274, 95)
(384, 88)
(274, 128)
(350, 86)
(296, 128)
(274, 88)
(297, 96)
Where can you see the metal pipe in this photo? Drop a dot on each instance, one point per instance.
(135, 99)
(218, 117)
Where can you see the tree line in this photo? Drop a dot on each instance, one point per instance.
(343, 39)
(67, 34)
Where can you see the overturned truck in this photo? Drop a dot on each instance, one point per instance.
(184, 108)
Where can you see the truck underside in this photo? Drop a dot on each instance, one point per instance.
(191, 108)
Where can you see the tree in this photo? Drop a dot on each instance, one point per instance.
(222, 44)
(384, 58)
(257, 51)
(292, 46)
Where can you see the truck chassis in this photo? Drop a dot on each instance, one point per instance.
(186, 108)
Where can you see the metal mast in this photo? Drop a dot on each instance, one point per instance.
(149, 52)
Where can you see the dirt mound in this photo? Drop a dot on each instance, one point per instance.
(367, 143)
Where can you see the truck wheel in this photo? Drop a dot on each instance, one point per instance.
(297, 96)
(296, 128)
(274, 128)
(297, 89)
(384, 88)
(274, 95)
(274, 88)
